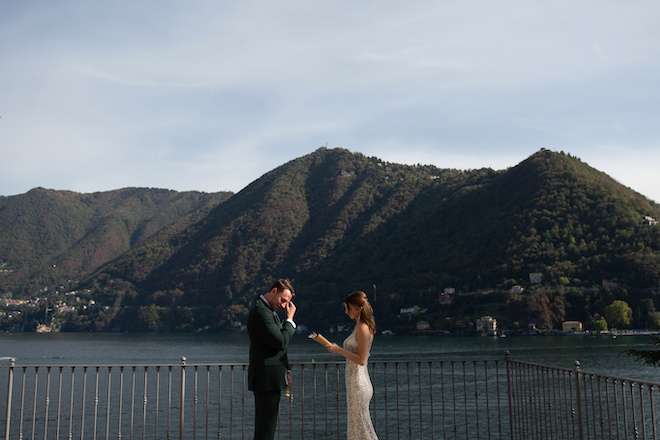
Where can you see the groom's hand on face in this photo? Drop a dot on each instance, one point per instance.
(290, 308)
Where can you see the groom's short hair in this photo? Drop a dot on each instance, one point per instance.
(283, 284)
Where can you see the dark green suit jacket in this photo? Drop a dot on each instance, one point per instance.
(269, 339)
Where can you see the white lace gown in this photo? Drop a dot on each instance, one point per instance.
(358, 395)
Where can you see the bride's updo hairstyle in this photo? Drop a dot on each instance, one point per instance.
(359, 300)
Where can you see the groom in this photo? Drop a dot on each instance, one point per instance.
(269, 373)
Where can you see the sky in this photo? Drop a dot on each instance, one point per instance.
(210, 95)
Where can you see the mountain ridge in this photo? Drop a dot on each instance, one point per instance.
(334, 221)
(46, 229)
(335, 218)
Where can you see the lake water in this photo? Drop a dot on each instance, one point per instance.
(600, 354)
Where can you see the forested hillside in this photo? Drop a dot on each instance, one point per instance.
(50, 238)
(335, 221)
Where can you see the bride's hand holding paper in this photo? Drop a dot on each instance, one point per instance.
(318, 338)
(333, 348)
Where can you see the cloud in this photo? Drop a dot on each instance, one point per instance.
(210, 95)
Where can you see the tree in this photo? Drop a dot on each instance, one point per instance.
(597, 323)
(650, 314)
(600, 325)
(618, 314)
(650, 357)
(540, 307)
(653, 320)
(148, 318)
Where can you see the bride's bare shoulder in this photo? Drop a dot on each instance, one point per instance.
(362, 330)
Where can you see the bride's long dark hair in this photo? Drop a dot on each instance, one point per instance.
(360, 301)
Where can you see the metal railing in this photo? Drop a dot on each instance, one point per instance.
(421, 399)
(559, 403)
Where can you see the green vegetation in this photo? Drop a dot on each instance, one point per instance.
(334, 222)
(650, 356)
(49, 238)
(618, 314)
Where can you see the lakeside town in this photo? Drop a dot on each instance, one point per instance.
(47, 313)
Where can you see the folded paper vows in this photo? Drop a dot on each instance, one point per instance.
(318, 338)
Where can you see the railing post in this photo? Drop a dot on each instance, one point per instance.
(183, 395)
(579, 402)
(509, 389)
(302, 401)
(10, 387)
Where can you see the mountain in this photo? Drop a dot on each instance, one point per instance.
(335, 221)
(50, 238)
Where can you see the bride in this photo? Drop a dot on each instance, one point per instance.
(356, 351)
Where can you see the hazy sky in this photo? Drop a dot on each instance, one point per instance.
(209, 95)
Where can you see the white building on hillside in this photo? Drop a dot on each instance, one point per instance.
(487, 324)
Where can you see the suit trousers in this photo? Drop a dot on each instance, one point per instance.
(267, 407)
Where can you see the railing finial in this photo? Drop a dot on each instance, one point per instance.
(507, 353)
(576, 363)
(183, 360)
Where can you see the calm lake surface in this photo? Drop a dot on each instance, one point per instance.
(600, 354)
